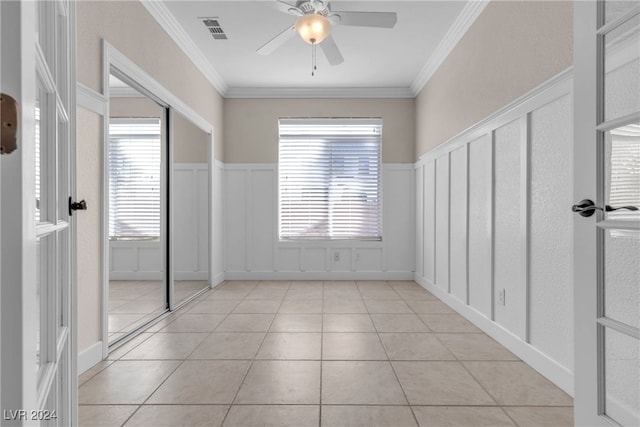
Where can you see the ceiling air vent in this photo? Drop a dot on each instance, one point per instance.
(214, 28)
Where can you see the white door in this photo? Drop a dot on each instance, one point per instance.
(607, 241)
(38, 262)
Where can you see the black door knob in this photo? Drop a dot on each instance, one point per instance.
(77, 206)
(586, 208)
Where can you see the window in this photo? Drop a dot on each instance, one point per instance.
(329, 179)
(622, 175)
(134, 179)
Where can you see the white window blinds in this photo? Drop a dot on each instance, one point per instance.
(134, 178)
(329, 179)
(622, 179)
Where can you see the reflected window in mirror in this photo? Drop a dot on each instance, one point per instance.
(134, 179)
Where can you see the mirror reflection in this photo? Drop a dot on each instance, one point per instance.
(190, 202)
(137, 188)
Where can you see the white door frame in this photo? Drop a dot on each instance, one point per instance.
(585, 259)
(21, 56)
(18, 232)
(589, 126)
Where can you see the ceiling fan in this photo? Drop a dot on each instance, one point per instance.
(314, 22)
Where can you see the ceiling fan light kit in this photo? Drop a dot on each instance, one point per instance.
(314, 24)
(313, 28)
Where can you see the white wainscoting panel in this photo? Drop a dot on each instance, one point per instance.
(480, 209)
(289, 259)
(442, 221)
(551, 293)
(458, 253)
(185, 236)
(218, 251)
(398, 214)
(202, 220)
(315, 259)
(506, 222)
(419, 186)
(253, 250)
(262, 214)
(235, 207)
(498, 199)
(123, 258)
(368, 259)
(135, 260)
(149, 258)
(429, 226)
(191, 221)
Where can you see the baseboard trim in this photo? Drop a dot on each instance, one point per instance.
(89, 357)
(191, 275)
(218, 279)
(136, 275)
(622, 413)
(319, 275)
(547, 367)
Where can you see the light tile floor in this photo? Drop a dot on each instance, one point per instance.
(368, 353)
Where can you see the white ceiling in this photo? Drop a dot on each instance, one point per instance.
(373, 57)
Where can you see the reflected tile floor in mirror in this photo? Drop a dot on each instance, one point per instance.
(132, 303)
(184, 289)
(366, 353)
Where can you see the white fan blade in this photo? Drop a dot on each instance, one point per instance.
(291, 9)
(331, 50)
(277, 41)
(365, 19)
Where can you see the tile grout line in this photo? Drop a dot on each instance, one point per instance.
(475, 405)
(481, 386)
(509, 416)
(321, 354)
(252, 361)
(93, 376)
(395, 374)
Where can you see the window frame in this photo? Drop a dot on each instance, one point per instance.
(322, 240)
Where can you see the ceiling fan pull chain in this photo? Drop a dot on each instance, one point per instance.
(313, 58)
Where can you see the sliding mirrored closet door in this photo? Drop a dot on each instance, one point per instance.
(189, 200)
(136, 202)
(157, 202)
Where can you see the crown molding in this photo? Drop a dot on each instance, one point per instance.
(330, 92)
(165, 18)
(167, 21)
(465, 19)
